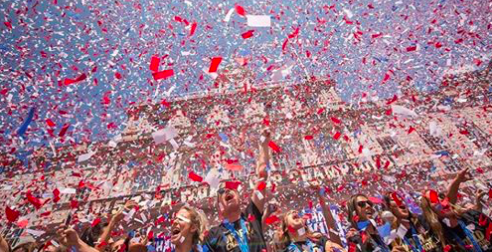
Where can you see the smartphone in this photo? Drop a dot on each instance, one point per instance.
(69, 219)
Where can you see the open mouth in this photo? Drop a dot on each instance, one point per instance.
(175, 231)
(229, 197)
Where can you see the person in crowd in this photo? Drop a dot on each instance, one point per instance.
(69, 238)
(417, 234)
(242, 231)
(295, 235)
(188, 230)
(131, 243)
(364, 236)
(99, 235)
(4, 245)
(464, 229)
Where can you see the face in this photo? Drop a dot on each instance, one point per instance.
(400, 212)
(442, 210)
(364, 208)
(182, 227)
(293, 220)
(230, 201)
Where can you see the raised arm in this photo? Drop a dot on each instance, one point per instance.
(260, 196)
(330, 221)
(115, 219)
(4, 246)
(453, 188)
(70, 238)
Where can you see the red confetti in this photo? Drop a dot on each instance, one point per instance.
(335, 120)
(261, 186)
(118, 76)
(215, 64)
(64, 130)
(234, 166)
(56, 195)
(11, 214)
(154, 63)
(394, 99)
(395, 198)
(411, 48)
(291, 229)
(67, 82)
(50, 123)
(308, 137)
(163, 74)
(247, 34)
(433, 197)
(193, 29)
(95, 222)
(33, 200)
(274, 146)
(8, 24)
(233, 185)
(337, 135)
(488, 233)
(74, 204)
(195, 177)
(240, 10)
(271, 220)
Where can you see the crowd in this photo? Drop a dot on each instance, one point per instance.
(443, 224)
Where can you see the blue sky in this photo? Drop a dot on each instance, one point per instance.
(357, 43)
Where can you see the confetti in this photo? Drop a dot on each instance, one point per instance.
(214, 64)
(259, 20)
(163, 74)
(12, 215)
(247, 34)
(23, 128)
(194, 177)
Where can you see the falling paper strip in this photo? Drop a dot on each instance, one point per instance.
(26, 123)
(228, 15)
(85, 157)
(35, 232)
(212, 178)
(214, 65)
(259, 20)
(403, 111)
(164, 135)
(68, 191)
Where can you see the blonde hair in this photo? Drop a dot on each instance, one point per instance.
(432, 219)
(198, 220)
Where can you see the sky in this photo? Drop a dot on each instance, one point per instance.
(73, 68)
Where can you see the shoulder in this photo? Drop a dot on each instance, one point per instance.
(214, 234)
(472, 215)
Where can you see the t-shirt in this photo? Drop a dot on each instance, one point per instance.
(477, 223)
(421, 234)
(221, 239)
(372, 242)
(311, 246)
(308, 246)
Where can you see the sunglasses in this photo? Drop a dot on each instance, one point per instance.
(363, 204)
(221, 191)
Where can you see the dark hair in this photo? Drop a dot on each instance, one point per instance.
(387, 206)
(91, 235)
(26, 247)
(352, 208)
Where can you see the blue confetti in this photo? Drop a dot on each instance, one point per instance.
(22, 130)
